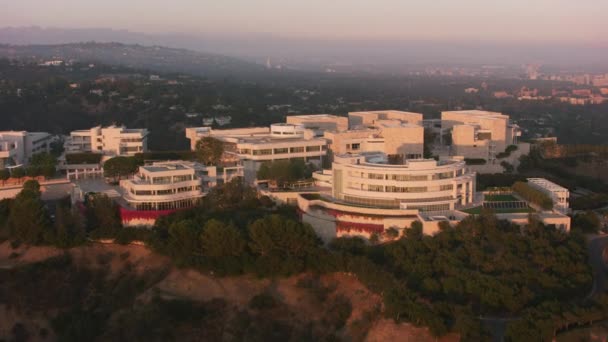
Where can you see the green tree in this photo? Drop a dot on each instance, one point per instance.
(221, 240)
(276, 235)
(587, 221)
(284, 171)
(183, 244)
(68, 228)
(102, 216)
(119, 167)
(29, 220)
(4, 175)
(45, 163)
(209, 151)
(18, 172)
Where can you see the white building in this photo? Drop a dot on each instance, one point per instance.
(558, 194)
(173, 184)
(111, 140)
(254, 146)
(423, 184)
(366, 195)
(479, 134)
(163, 186)
(17, 147)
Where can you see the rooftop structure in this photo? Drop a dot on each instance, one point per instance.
(111, 140)
(320, 122)
(557, 193)
(369, 118)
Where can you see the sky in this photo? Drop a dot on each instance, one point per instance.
(522, 21)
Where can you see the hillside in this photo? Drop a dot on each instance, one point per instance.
(136, 283)
(161, 59)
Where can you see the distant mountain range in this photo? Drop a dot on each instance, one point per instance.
(316, 54)
(154, 58)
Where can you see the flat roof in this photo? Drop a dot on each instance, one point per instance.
(478, 113)
(546, 184)
(316, 116)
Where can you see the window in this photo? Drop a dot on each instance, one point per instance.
(443, 175)
(182, 178)
(264, 152)
(164, 192)
(313, 148)
(375, 188)
(162, 180)
(299, 149)
(281, 150)
(408, 178)
(375, 176)
(446, 187)
(356, 147)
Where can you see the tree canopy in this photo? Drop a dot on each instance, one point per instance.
(209, 151)
(119, 167)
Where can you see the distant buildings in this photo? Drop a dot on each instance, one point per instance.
(502, 94)
(111, 140)
(17, 147)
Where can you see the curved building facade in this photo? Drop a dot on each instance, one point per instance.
(422, 184)
(368, 195)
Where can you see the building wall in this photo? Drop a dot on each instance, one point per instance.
(20, 146)
(112, 140)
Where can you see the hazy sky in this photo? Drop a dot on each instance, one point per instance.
(512, 20)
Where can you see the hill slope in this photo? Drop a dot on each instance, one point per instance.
(156, 58)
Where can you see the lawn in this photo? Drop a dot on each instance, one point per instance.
(500, 198)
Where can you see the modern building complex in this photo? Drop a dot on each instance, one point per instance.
(254, 146)
(17, 147)
(173, 185)
(479, 134)
(378, 178)
(111, 140)
(558, 194)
